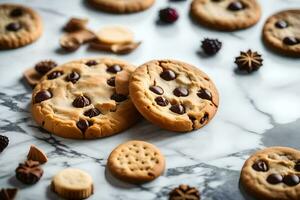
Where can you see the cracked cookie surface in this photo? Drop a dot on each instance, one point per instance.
(19, 26)
(174, 95)
(273, 173)
(79, 99)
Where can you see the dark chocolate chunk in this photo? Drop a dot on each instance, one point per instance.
(181, 92)
(111, 81)
(291, 180)
(156, 89)
(73, 77)
(29, 172)
(297, 166)
(92, 112)
(13, 26)
(161, 101)
(168, 75)
(17, 12)
(42, 96)
(118, 97)
(54, 75)
(291, 41)
(114, 69)
(81, 101)
(3, 142)
(177, 108)
(260, 166)
(204, 118)
(91, 63)
(281, 24)
(236, 6)
(83, 125)
(204, 94)
(274, 179)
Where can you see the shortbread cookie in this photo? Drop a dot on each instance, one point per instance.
(136, 162)
(37, 154)
(73, 184)
(19, 26)
(281, 32)
(272, 173)
(226, 15)
(174, 95)
(79, 100)
(121, 6)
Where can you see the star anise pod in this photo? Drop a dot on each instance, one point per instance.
(249, 61)
(8, 193)
(184, 192)
(29, 172)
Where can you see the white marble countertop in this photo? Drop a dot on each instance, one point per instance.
(257, 110)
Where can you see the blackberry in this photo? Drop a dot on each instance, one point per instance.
(168, 15)
(211, 46)
(3, 142)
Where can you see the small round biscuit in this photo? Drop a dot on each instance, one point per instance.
(115, 35)
(73, 183)
(174, 95)
(226, 15)
(272, 173)
(19, 26)
(121, 6)
(281, 32)
(136, 162)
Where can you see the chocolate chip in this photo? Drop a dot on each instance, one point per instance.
(17, 12)
(54, 75)
(111, 81)
(204, 94)
(118, 97)
(291, 180)
(83, 125)
(114, 69)
(14, 26)
(177, 108)
(260, 166)
(156, 89)
(92, 112)
(204, 118)
(236, 6)
(180, 92)
(73, 77)
(281, 24)
(297, 166)
(161, 101)
(44, 66)
(91, 63)
(81, 101)
(168, 75)
(42, 96)
(274, 179)
(291, 41)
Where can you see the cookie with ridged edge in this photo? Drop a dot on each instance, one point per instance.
(174, 95)
(222, 15)
(272, 174)
(79, 100)
(121, 6)
(19, 26)
(280, 26)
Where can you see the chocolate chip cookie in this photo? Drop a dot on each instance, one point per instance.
(121, 6)
(79, 99)
(281, 32)
(226, 15)
(272, 173)
(174, 95)
(19, 26)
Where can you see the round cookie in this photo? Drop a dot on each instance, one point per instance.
(136, 162)
(121, 6)
(226, 15)
(79, 99)
(19, 26)
(174, 95)
(72, 184)
(281, 32)
(272, 173)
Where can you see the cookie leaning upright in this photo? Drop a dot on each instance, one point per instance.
(121, 6)
(79, 99)
(281, 32)
(19, 26)
(174, 95)
(226, 15)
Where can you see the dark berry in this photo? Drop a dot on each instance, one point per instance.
(211, 46)
(168, 15)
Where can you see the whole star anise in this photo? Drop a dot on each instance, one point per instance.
(184, 192)
(29, 172)
(249, 61)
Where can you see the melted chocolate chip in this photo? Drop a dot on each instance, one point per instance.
(118, 97)
(91, 63)
(14, 26)
(177, 108)
(42, 96)
(260, 166)
(156, 89)
(274, 179)
(83, 125)
(204, 94)
(236, 6)
(180, 92)
(81, 101)
(17, 12)
(281, 24)
(297, 166)
(291, 180)
(161, 101)
(54, 75)
(73, 77)
(168, 75)
(291, 41)
(92, 112)
(114, 69)
(204, 118)
(111, 81)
